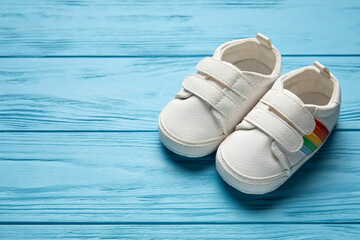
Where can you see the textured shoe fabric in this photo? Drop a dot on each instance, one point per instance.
(215, 99)
(288, 125)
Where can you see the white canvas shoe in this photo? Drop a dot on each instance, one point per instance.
(284, 130)
(213, 101)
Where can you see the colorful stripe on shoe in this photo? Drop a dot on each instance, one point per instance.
(314, 140)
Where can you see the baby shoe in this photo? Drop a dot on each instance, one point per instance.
(213, 101)
(286, 128)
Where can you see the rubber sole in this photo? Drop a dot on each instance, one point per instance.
(187, 149)
(255, 187)
(242, 184)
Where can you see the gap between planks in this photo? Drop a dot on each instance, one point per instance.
(119, 131)
(184, 223)
(164, 56)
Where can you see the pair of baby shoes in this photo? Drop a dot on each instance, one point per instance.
(267, 126)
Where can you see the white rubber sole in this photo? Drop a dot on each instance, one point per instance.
(185, 148)
(244, 184)
(254, 186)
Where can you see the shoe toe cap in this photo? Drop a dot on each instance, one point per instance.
(190, 120)
(248, 153)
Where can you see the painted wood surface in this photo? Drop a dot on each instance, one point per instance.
(81, 87)
(43, 27)
(122, 93)
(131, 177)
(232, 231)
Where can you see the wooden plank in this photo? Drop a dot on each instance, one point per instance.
(121, 93)
(222, 231)
(147, 28)
(130, 178)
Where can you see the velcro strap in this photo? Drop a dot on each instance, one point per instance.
(229, 75)
(210, 94)
(290, 109)
(277, 128)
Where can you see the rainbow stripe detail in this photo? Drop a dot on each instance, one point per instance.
(314, 140)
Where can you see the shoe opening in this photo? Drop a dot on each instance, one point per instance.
(251, 56)
(311, 86)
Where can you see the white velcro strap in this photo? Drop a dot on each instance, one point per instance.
(228, 75)
(277, 128)
(291, 110)
(210, 94)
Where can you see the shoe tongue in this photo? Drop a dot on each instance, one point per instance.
(252, 76)
(293, 96)
(218, 57)
(297, 99)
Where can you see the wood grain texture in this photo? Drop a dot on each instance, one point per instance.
(81, 87)
(243, 231)
(131, 178)
(122, 93)
(143, 28)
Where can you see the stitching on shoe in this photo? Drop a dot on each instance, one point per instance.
(274, 115)
(246, 178)
(219, 100)
(236, 72)
(207, 142)
(276, 150)
(275, 183)
(269, 104)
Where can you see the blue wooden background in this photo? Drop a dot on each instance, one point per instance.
(83, 82)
